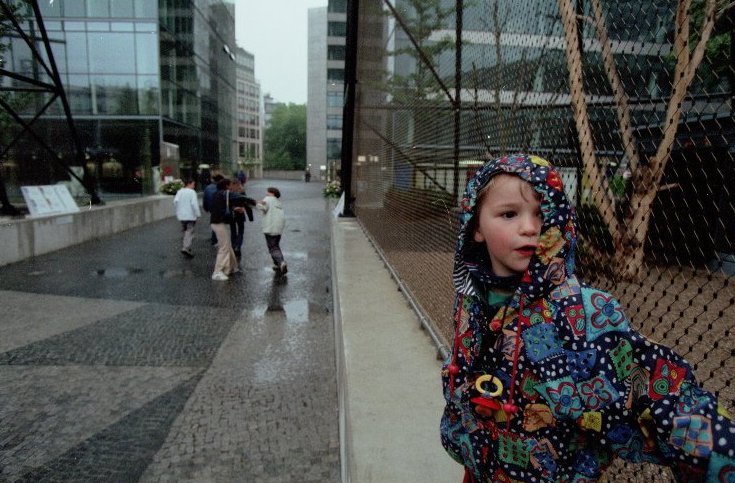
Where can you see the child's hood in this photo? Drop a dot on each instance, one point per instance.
(553, 261)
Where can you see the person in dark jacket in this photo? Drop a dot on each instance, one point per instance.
(547, 379)
(242, 209)
(207, 197)
(224, 202)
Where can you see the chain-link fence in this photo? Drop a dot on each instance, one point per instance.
(632, 100)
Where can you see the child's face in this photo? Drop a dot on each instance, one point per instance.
(509, 223)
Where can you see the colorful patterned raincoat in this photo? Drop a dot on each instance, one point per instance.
(552, 383)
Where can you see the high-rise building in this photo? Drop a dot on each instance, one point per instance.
(269, 105)
(150, 87)
(316, 105)
(327, 34)
(249, 127)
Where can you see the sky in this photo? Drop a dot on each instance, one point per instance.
(276, 32)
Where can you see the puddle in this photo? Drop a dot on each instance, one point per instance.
(183, 273)
(112, 272)
(286, 351)
(116, 272)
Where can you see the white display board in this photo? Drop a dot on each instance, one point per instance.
(47, 200)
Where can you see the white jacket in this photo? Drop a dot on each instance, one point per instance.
(186, 205)
(273, 218)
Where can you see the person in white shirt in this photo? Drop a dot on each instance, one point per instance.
(187, 212)
(274, 221)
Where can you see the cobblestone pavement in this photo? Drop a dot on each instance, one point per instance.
(121, 360)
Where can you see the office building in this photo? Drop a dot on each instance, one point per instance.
(326, 75)
(150, 86)
(249, 129)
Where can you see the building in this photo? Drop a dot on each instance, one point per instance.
(249, 129)
(269, 105)
(316, 105)
(325, 97)
(149, 85)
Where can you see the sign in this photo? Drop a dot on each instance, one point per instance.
(47, 200)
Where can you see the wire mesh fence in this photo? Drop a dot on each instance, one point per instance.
(632, 100)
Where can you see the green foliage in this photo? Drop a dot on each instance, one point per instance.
(285, 138)
(617, 185)
(713, 73)
(172, 187)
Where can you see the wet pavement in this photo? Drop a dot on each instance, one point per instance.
(121, 360)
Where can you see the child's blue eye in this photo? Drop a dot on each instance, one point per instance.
(508, 214)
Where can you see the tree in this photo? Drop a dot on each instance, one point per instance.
(629, 226)
(285, 138)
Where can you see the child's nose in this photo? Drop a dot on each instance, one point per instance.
(531, 225)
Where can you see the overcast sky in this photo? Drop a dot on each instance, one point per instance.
(276, 31)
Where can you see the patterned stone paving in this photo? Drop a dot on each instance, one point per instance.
(120, 360)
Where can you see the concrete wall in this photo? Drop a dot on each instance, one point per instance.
(283, 174)
(29, 237)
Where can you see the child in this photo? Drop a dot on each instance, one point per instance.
(547, 381)
(273, 224)
(187, 212)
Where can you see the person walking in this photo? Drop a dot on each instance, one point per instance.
(186, 206)
(274, 222)
(241, 208)
(207, 197)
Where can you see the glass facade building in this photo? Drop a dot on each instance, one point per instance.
(149, 86)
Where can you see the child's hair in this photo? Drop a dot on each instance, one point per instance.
(274, 191)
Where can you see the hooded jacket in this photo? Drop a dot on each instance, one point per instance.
(552, 384)
(274, 220)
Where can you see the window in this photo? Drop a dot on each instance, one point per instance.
(336, 52)
(334, 148)
(335, 75)
(146, 53)
(335, 99)
(338, 6)
(334, 121)
(100, 47)
(337, 29)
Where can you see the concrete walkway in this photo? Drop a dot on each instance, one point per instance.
(391, 389)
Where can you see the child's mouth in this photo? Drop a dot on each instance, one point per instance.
(526, 251)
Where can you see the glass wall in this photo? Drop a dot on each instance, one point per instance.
(127, 73)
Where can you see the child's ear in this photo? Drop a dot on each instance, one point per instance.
(478, 237)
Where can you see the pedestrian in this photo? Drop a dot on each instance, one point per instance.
(207, 197)
(186, 205)
(242, 177)
(242, 207)
(547, 380)
(274, 221)
(220, 218)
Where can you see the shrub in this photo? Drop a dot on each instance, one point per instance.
(172, 187)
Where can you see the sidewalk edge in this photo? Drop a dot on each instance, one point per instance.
(344, 444)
